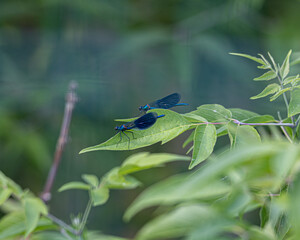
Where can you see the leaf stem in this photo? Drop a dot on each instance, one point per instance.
(61, 224)
(283, 129)
(85, 216)
(284, 94)
(250, 124)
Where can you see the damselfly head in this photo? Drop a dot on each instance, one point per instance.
(116, 128)
(141, 108)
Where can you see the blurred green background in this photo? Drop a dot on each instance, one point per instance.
(122, 54)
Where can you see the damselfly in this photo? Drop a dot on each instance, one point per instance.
(141, 123)
(166, 102)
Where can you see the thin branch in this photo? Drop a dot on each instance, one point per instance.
(85, 216)
(284, 130)
(71, 99)
(284, 95)
(265, 124)
(61, 224)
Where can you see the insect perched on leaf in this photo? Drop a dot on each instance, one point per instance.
(141, 123)
(166, 102)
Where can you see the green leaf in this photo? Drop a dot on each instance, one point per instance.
(99, 195)
(204, 141)
(11, 205)
(13, 225)
(293, 206)
(257, 233)
(164, 130)
(213, 112)
(260, 61)
(241, 114)
(113, 179)
(238, 201)
(182, 221)
(126, 119)
(276, 95)
(92, 180)
(144, 160)
(8, 183)
(189, 139)
(266, 76)
(33, 208)
(273, 62)
(193, 117)
(282, 169)
(296, 61)
(266, 65)
(294, 105)
(48, 236)
(263, 215)
(290, 79)
(260, 119)
(221, 131)
(246, 135)
(74, 185)
(4, 194)
(232, 132)
(285, 68)
(190, 149)
(185, 188)
(174, 190)
(270, 89)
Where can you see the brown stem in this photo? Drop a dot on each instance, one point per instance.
(71, 99)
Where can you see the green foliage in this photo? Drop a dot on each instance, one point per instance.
(25, 220)
(281, 73)
(204, 140)
(257, 173)
(33, 208)
(294, 106)
(166, 128)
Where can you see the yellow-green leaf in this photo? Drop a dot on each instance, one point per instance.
(294, 105)
(4, 194)
(99, 195)
(165, 129)
(144, 160)
(266, 76)
(113, 179)
(74, 185)
(212, 112)
(285, 68)
(276, 95)
(204, 141)
(270, 89)
(260, 61)
(91, 179)
(33, 208)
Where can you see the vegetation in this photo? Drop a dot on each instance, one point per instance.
(257, 174)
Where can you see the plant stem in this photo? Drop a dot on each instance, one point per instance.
(251, 124)
(283, 129)
(61, 224)
(85, 216)
(71, 99)
(266, 124)
(284, 95)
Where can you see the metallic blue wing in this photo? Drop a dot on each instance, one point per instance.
(166, 102)
(146, 120)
